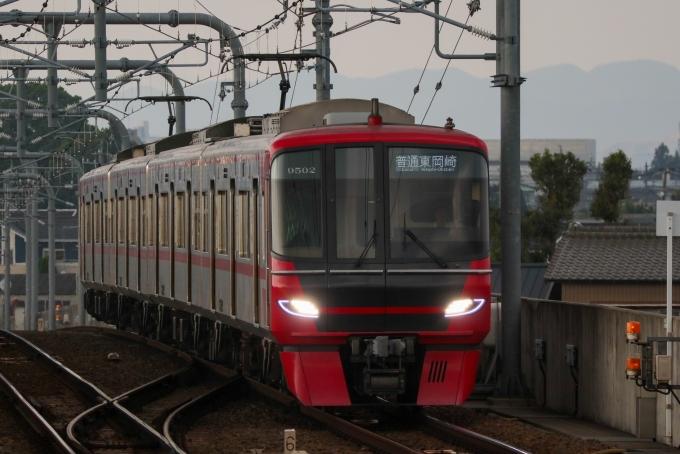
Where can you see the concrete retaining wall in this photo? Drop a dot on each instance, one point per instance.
(599, 333)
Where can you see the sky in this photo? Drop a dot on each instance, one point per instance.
(584, 33)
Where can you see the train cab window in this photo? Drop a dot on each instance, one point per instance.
(121, 221)
(97, 222)
(222, 223)
(179, 220)
(244, 225)
(132, 221)
(440, 198)
(297, 204)
(163, 221)
(355, 202)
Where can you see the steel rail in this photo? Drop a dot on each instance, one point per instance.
(443, 429)
(31, 415)
(86, 389)
(467, 437)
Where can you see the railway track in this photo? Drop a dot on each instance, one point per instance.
(52, 414)
(176, 425)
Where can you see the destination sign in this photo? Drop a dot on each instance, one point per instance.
(425, 163)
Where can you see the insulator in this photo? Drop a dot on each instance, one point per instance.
(438, 86)
(34, 80)
(34, 104)
(123, 43)
(71, 107)
(39, 114)
(416, 89)
(5, 115)
(5, 136)
(70, 80)
(73, 43)
(123, 77)
(480, 32)
(36, 140)
(80, 72)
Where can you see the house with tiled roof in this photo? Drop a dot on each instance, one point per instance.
(620, 265)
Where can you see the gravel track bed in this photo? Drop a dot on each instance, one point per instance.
(57, 404)
(514, 432)
(255, 423)
(86, 355)
(15, 437)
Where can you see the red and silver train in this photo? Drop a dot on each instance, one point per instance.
(327, 248)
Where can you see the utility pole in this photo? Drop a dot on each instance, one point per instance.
(52, 30)
(100, 75)
(7, 288)
(509, 80)
(322, 24)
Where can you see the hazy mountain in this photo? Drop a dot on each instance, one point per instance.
(630, 105)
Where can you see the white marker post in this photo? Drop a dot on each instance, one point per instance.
(289, 441)
(668, 225)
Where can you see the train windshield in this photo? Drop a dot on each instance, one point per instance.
(297, 204)
(438, 201)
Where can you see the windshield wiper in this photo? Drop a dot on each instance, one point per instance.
(368, 245)
(434, 256)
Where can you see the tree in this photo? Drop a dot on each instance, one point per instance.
(83, 146)
(613, 187)
(559, 179)
(662, 158)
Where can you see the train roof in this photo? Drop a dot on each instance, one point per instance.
(406, 134)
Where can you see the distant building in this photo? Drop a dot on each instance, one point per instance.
(619, 265)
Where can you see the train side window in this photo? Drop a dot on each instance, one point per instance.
(144, 220)
(196, 243)
(244, 224)
(163, 221)
(150, 224)
(179, 220)
(222, 223)
(206, 221)
(132, 221)
(88, 224)
(121, 221)
(97, 222)
(105, 207)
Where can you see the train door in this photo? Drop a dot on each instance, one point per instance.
(164, 254)
(211, 248)
(133, 239)
(356, 279)
(144, 245)
(121, 211)
(171, 239)
(196, 249)
(255, 239)
(232, 247)
(98, 249)
(222, 253)
(189, 239)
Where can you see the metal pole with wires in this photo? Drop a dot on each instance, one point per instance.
(509, 80)
(322, 31)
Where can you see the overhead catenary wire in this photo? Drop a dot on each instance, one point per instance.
(439, 84)
(416, 89)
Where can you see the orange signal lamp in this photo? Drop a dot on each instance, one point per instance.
(633, 331)
(633, 367)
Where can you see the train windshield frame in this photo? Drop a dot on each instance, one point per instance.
(438, 201)
(435, 203)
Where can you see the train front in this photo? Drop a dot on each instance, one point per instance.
(380, 282)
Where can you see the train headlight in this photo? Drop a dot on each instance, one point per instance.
(300, 308)
(464, 307)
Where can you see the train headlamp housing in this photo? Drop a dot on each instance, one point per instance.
(300, 308)
(464, 307)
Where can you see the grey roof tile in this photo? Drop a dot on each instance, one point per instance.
(612, 253)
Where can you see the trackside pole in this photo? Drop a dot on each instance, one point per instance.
(669, 321)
